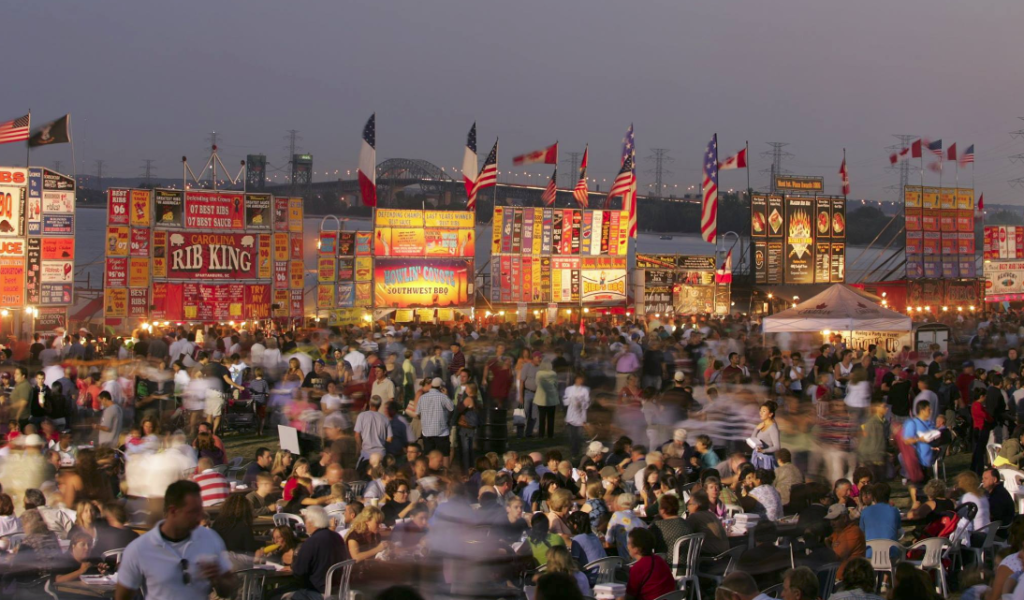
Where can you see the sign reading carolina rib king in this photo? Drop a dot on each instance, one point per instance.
(211, 256)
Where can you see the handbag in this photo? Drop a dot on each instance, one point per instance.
(519, 416)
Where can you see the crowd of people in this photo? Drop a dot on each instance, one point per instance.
(623, 441)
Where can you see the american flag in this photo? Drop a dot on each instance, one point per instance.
(935, 147)
(367, 172)
(625, 182)
(580, 193)
(15, 130)
(488, 176)
(844, 175)
(709, 210)
(967, 156)
(550, 192)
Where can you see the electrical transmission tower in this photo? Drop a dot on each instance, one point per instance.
(1015, 158)
(99, 175)
(660, 157)
(212, 139)
(56, 165)
(293, 139)
(147, 170)
(903, 166)
(776, 154)
(574, 165)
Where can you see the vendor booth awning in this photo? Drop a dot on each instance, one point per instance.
(838, 308)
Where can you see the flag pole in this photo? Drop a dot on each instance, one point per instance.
(494, 192)
(846, 176)
(746, 153)
(74, 163)
(28, 147)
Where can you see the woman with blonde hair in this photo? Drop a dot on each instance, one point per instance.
(559, 504)
(282, 467)
(86, 517)
(559, 560)
(363, 538)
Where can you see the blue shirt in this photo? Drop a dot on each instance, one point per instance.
(880, 522)
(912, 429)
(528, 492)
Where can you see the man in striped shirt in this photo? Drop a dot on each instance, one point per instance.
(213, 487)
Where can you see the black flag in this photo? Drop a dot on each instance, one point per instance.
(54, 132)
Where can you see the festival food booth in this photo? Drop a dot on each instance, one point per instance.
(843, 310)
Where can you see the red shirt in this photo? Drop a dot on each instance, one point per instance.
(980, 416)
(650, 578)
(963, 383)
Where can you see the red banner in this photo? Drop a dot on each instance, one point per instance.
(257, 302)
(116, 275)
(138, 244)
(117, 206)
(214, 210)
(211, 256)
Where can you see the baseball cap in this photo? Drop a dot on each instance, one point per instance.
(33, 440)
(680, 376)
(437, 382)
(320, 362)
(595, 448)
(967, 363)
(609, 472)
(835, 511)
(538, 354)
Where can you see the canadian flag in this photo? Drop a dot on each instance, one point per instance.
(548, 156)
(736, 161)
(724, 273)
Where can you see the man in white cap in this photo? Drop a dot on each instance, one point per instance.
(434, 409)
(678, 448)
(595, 454)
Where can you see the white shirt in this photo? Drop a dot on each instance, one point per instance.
(330, 403)
(577, 399)
(982, 518)
(256, 354)
(157, 562)
(9, 524)
(358, 363)
(858, 395)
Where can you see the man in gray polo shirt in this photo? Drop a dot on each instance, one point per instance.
(373, 430)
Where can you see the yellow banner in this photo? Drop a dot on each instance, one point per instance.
(389, 241)
(947, 198)
(295, 215)
(138, 272)
(538, 230)
(264, 270)
(326, 270)
(139, 203)
(282, 247)
(345, 316)
(364, 268)
(115, 302)
(404, 315)
(426, 315)
(965, 199)
(445, 314)
(394, 217)
(450, 242)
(912, 196)
(159, 254)
(930, 198)
(117, 241)
(325, 296)
(496, 231)
(449, 219)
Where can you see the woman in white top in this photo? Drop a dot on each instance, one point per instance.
(8, 522)
(843, 370)
(1012, 565)
(969, 482)
(577, 401)
(797, 373)
(858, 394)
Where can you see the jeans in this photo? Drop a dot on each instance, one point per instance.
(528, 407)
(980, 456)
(466, 439)
(547, 415)
(575, 433)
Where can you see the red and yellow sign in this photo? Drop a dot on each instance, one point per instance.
(295, 215)
(325, 296)
(455, 243)
(264, 269)
(422, 283)
(159, 253)
(388, 241)
(211, 255)
(117, 241)
(296, 273)
(282, 247)
(214, 210)
(449, 219)
(395, 217)
(364, 268)
(326, 269)
(58, 248)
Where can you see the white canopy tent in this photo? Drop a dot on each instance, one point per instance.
(838, 308)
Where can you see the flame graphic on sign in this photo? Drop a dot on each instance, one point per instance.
(800, 237)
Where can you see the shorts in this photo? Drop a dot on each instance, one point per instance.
(261, 410)
(214, 403)
(441, 442)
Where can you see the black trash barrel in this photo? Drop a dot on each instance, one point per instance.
(492, 435)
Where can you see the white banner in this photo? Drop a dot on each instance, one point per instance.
(57, 271)
(58, 202)
(892, 341)
(1003, 277)
(603, 286)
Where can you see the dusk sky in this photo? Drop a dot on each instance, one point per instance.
(152, 80)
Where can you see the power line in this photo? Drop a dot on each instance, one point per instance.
(56, 166)
(147, 170)
(903, 167)
(574, 165)
(776, 154)
(293, 138)
(99, 174)
(660, 157)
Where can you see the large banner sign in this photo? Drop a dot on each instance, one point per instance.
(422, 283)
(211, 256)
(808, 245)
(1004, 280)
(214, 210)
(603, 286)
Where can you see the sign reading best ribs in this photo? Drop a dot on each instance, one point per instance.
(214, 210)
(211, 256)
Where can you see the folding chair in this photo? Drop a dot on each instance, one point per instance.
(935, 550)
(605, 568)
(343, 572)
(881, 557)
(685, 569)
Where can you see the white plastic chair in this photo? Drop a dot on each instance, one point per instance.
(291, 521)
(988, 548)
(881, 556)
(934, 550)
(345, 567)
(605, 568)
(993, 451)
(685, 569)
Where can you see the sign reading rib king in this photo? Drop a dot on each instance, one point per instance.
(211, 256)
